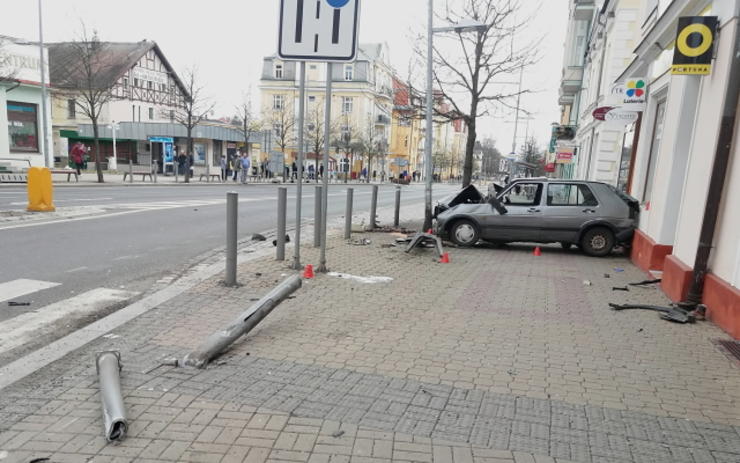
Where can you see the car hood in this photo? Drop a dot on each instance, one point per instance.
(473, 209)
(468, 195)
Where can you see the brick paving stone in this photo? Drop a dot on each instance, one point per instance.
(497, 352)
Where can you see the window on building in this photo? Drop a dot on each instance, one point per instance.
(278, 102)
(125, 83)
(136, 82)
(570, 194)
(346, 133)
(23, 127)
(312, 67)
(71, 109)
(312, 99)
(172, 115)
(151, 114)
(150, 85)
(347, 103)
(278, 71)
(654, 149)
(133, 113)
(277, 129)
(349, 72)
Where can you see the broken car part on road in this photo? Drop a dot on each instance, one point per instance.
(221, 340)
(673, 314)
(423, 239)
(108, 365)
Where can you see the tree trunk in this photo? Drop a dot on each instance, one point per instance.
(469, 148)
(189, 152)
(98, 166)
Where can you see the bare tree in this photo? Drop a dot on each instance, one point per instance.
(532, 154)
(491, 157)
(84, 71)
(371, 144)
(467, 79)
(246, 121)
(315, 133)
(195, 108)
(282, 120)
(347, 142)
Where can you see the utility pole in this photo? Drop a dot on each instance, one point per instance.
(48, 157)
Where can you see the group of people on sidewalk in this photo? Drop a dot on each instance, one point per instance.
(237, 164)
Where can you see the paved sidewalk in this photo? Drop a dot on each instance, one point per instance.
(498, 356)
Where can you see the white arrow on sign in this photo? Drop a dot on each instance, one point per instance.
(318, 30)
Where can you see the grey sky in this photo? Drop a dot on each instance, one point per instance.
(228, 38)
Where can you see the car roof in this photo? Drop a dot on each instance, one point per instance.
(555, 180)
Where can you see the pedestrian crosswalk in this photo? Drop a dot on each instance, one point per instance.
(21, 287)
(28, 326)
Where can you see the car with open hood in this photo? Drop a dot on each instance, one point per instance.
(591, 215)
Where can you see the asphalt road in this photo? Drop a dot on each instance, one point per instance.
(149, 232)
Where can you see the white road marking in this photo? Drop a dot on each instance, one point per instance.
(25, 327)
(16, 288)
(77, 269)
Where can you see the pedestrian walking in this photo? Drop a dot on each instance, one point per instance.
(321, 171)
(224, 169)
(246, 163)
(77, 154)
(294, 168)
(235, 165)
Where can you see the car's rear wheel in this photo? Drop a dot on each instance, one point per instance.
(598, 241)
(464, 233)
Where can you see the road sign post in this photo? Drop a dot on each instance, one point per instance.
(324, 31)
(301, 149)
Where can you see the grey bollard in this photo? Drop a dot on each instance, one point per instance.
(232, 217)
(317, 217)
(374, 208)
(221, 340)
(130, 170)
(282, 218)
(108, 365)
(397, 214)
(155, 168)
(348, 214)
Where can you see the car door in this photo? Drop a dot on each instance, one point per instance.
(523, 219)
(568, 206)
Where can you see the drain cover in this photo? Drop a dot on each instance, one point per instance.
(732, 347)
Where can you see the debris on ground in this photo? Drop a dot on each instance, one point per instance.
(18, 304)
(360, 242)
(426, 240)
(338, 434)
(586, 283)
(258, 237)
(606, 275)
(673, 313)
(379, 229)
(620, 288)
(367, 279)
(618, 270)
(647, 282)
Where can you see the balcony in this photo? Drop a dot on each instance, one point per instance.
(571, 81)
(583, 9)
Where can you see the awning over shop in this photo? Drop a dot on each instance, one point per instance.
(76, 136)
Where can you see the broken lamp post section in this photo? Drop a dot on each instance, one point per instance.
(108, 365)
(246, 322)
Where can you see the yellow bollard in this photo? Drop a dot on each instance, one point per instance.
(40, 191)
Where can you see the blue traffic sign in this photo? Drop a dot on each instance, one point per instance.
(337, 3)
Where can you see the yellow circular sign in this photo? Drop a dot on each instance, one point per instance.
(682, 42)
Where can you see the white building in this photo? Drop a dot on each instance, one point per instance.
(21, 112)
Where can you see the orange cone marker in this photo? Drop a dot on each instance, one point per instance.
(445, 258)
(308, 272)
(537, 251)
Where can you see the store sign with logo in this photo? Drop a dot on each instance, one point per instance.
(620, 117)
(694, 45)
(635, 95)
(600, 113)
(564, 156)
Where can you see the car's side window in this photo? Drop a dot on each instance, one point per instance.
(524, 194)
(569, 194)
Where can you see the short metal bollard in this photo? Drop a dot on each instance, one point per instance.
(397, 214)
(348, 214)
(108, 365)
(221, 340)
(232, 217)
(374, 209)
(282, 219)
(317, 217)
(130, 171)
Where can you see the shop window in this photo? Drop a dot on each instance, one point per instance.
(71, 109)
(23, 127)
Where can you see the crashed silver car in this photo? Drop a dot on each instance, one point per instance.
(592, 215)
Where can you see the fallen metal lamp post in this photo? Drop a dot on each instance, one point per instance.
(221, 340)
(422, 239)
(114, 414)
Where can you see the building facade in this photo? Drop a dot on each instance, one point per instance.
(361, 108)
(21, 112)
(673, 150)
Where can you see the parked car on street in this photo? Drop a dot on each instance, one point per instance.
(592, 215)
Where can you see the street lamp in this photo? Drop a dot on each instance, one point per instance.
(467, 25)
